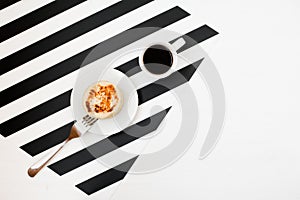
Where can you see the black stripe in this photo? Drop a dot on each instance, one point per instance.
(130, 68)
(106, 178)
(108, 46)
(165, 84)
(27, 21)
(109, 144)
(6, 3)
(35, 114)
(47, 141)
(198, 35)
(67, 34)
(33, 148)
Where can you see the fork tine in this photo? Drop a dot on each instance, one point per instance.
(87, 123)
(88, 120)
(93, 121)
(84, 119)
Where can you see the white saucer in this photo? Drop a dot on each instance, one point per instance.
(89, 76)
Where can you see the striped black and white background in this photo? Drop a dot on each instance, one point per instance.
(41, 51)
(256, 54)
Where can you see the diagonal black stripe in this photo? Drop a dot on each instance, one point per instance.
(165, 84)
(198, 35)
(47, 141)
(130, 68)
(109, 144)
(33, 148)
(67, 34)
(106, 178)
(35, 114)
(65, 67)
(6, 3)
(31, 19)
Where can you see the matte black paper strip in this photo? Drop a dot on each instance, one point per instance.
(47, 141)
(109, 144)
(71, 64)
(35, 17)
(106, 178)
(6, 3)
(198, 35)
(67, 34)
(130, 68)
(35, 114)
(165, 84)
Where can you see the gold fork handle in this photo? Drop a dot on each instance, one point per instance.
(38, 166)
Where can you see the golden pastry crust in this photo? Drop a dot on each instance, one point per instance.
(102, 100)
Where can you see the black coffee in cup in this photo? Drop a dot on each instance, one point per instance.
(158, 59)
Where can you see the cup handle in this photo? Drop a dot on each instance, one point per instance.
(178, 43)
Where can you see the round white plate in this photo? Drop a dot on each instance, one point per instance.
(92, 74)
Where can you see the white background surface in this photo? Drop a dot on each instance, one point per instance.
(258, 156)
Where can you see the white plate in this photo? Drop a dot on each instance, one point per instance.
(90, 75)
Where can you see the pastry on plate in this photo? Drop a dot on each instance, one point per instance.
(103, 100)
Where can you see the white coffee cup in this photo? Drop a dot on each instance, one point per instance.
(172, 48)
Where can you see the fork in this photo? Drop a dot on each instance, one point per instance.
(77, 130)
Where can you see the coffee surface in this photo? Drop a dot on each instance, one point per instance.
(158, 59)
